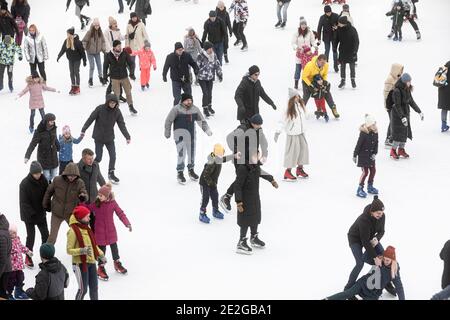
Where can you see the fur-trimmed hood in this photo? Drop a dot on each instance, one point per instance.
(29, 80)
(365, 129)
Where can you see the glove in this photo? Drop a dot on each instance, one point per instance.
(405, 121)
(240, 207)
(421, 116)
(25, 160)
(30, 254)
(355, 159)
(129, 227)
(86, 251)
(165, 79)
(132, 77)
(102, 260)
(82, 135)
(84, 63)
(274, 107)
(82, 197)
(209, 133)
(277, 135)
(274, 184)
(20, 58)
(128, 141)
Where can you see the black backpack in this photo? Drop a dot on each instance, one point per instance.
(390, 100)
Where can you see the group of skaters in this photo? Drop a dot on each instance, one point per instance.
(89, 210)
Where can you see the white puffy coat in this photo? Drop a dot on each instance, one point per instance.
(295, 126)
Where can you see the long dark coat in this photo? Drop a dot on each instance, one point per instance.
(31, 194)
(246, 190)
(366, 146)
(247, 98)
(348, 41)
(444, 93)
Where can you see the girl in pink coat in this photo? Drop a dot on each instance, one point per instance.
(17, 277)
(105, 230)
(35, 86)
(146, 61)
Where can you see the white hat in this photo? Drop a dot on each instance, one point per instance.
(303, 21)
(370, 120)
(293, 93)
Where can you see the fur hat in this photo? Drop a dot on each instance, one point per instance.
(405, 78)
(293, 93)
(390, 253)
(345, 7)
(256, 119)
(253, 69)
(327, 8)
(207, 45)
(219, 150)
(376, 205)
(80, 212)
(370, 120)
(47, 251)
(35, 167)
(49, 117)
(105, 190)
(65, 129)
(186, 96)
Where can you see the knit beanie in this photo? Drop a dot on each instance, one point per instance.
(405, 78)
(370, 120)
(132, 15)
(253, 69)
(213, 13)
(303, 21)
(147, 44)
(80, 212)
(71, 31)
(293, 93)
(345, 7)
(376, 205)
(219, 150)
(47, 251)
(178, 45)
(105, 190)
(186, 96)
(207, 45)
(343, 20)
(327, 8)
(12, 228)
(390, 253)
(35, 167)
(256, 119)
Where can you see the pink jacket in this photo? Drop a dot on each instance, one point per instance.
(105, 230)
(17, 251)
(36, 97)
(146, 58)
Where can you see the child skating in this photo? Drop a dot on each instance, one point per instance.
(398, 14)
(146, 61)
(321, 87)
(66, 142)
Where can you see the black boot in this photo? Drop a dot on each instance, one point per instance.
(112, 177)
(180, 177)
(296, 84)
(91, 83)
(353, 83)
(278, 24)
(206, 112)
(211, 110)
(193, 175)
(132, 109)
(243, 247)
(225, 56)
(122, 99)
(342, 84)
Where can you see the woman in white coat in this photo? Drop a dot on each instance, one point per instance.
(296, 152)
(302, 42)
(135, 35)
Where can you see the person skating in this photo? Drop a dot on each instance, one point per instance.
(17, 277)
(142, 9)
(282, 7)
(135, 36)
(5, 256)
(81, 245)
(370, 286)
(8, 51)
(147, 60)
(320, 88)
(73, 48)
(183, 118)
(47, 153)
(106, 116)
(216, 31)
(208, 65)
(52, 279)
(364, 155)
(222, 13)
(116, 65)
(346, 13)
(441, 81)
(302, 42)
(317, 66)
(105, 232)
(326, 32)
(389, 85)
(348, 42)
(7, 23)
(445, 282)
(240, 10)
(36, 51)
(20, 11)
(248, 93)
(398, 15)
(94, 43)
(192, 46)
(31, 193)
(62, 195)
(402, 101)
(178, 62)
(408, 8)
(66, 142)
(79, 5)
(293, 122)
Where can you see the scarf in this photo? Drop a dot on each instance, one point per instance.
(76, 228)
(209, 56)
(116, 54)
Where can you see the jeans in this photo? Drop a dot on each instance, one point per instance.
(444, 115)
(94, 58)
(218, 49)
(183, 148)
(114, 250)
(283, 8)
(307, 94)
(207, 86)
(348, 293)
(207, 193)
(329, 44)
(9, 72)
(111, 147)
(298, 71)
(352, 70)
(253, 231)
(49, 174)
(74, 68)
(240, 33)
(33, 113)
(360, 258)
(31, 233)
(85, 280)
(63, 165)
(442, 295)
(177, 86)
(398, 144)
(40, 66)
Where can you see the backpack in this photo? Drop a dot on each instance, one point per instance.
(440, 78)
(390, 100)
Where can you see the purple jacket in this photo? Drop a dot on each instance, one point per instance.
(105, 230)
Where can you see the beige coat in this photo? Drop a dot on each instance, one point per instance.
(394, 75)
(141, 35)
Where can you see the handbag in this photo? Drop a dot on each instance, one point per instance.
(133, 34)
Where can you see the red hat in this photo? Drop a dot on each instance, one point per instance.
(389, 253)
(105, 190)
(80, 212)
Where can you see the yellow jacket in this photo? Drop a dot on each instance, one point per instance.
(311, 69)
(73, 248)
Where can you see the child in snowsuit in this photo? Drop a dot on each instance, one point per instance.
(8, 50)
(208, 182)
(146, 61)
(364, 155)
(321, 87)
(35, 85)
(398, 14)
(16, 277)
(66, 142)
(105, 231)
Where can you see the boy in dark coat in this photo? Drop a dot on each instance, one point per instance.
(364, 155)
(445, 284)
(397, 13)
(52, 279)
(348, 42)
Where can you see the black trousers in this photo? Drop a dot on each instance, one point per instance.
(111, 147)
(33, 113)
(207, 87)
(4, 284)
(352, 70)
(389, 131)
(253, 231)
(207, 193)
(74, 68)
(8, 71)
(38, 65)
(240, 33)
(307, 94)
(31, 233)
(114, 251)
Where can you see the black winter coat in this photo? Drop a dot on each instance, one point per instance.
(91, 176)
(247, 98)
(325, 30)
(211, 171)
(50, 281)
(22, 10)
(47, 153)
(397, 16)
(31, 194)
(223, 14)
(8, 26)
(348, 42)
(215, 31)
(105, 119)
(366, 146)
(73, 55)
(117, 68)
(364, 229)
(179, 67)
(445, 256)
(402, 101)
(5, 246)
(444, 93)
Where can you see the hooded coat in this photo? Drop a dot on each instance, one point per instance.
(5, 246)
(31, 194)
(444, 92)
(139, 37)
(8, 52)
(366, 146)
(50, 281)
(394, 75)
(348, 42)
(36, 89)
(35, 47)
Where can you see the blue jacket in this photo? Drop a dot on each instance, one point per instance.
(65, 151)
(375, 293)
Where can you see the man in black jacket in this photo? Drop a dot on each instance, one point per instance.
(215, 29)
(106, 116)
(115, 66)
(178, 62)
(326, 31)
(32, 191)
(5, 255)
(52, 279)
(248, 93)
(445, 284)
(348, 42)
